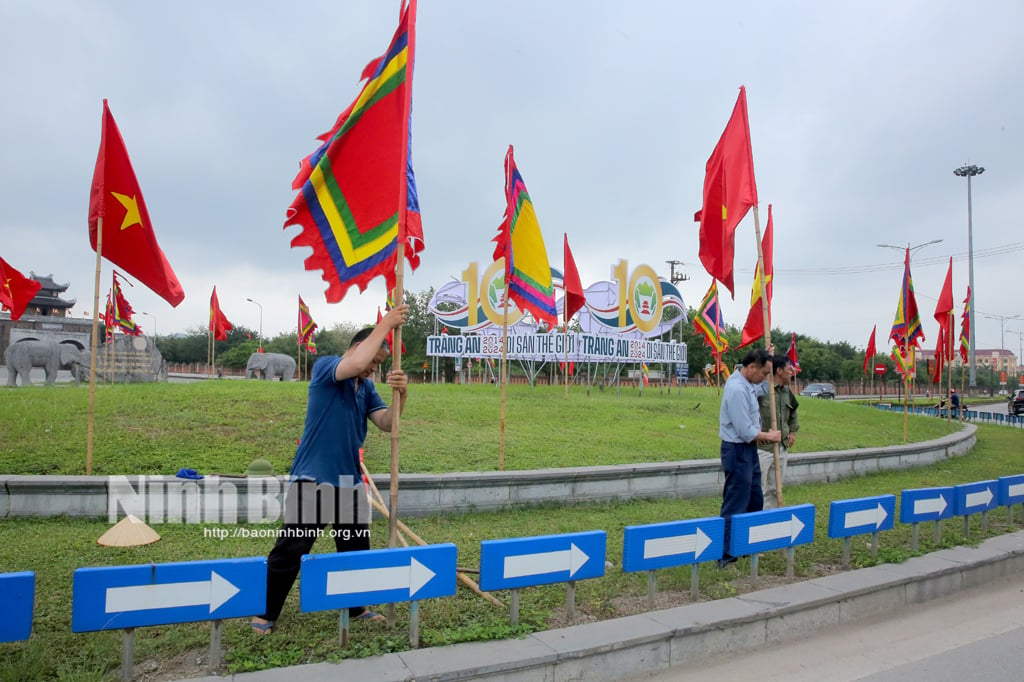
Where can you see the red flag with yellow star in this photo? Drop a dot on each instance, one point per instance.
(128, 238)
(16, 290)
(729, 192)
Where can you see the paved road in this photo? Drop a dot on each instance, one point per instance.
(977, 635)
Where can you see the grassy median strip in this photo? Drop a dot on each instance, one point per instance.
(455, 423)
(221, 426)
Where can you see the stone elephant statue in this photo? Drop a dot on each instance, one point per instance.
(270, 366)
(22, 356)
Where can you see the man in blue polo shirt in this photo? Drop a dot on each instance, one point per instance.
(326, 477)
(739, 427)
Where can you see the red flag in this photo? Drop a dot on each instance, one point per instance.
(729, 192)
(572, 286)
(16, 290)
(871, 351)
(128, 238)
(791, 354)
(754, 329)
(940, 354)
(945, 305)
(219, 324)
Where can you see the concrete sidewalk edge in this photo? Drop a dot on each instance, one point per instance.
(621, 647)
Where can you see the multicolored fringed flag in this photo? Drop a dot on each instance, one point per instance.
(965, 328)
(708, 321)
(898, 359)
(357, 197)
(527, 270)
(306, 324)
(121, 311)
(906, 326)
(645, 372)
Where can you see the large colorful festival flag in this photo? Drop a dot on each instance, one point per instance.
(357, 197)
(16, 290)
(128, 238)
(708, 321)
(527, 270)
(571, 285)
(729, 192)
(965, 328)
(753, 328)
(219, 324)
(906, 326)
(899, 360)
(871, 350)
(306, 324)
(645, 373)
(121, 311)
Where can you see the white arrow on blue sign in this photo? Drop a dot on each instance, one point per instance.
(116, 597)
(675, 543)
(541, 560)
(1011, 490)
(17, 594)
(973, 498)
(772, 529)
(861, 515)
(377, 576)
(926, 504)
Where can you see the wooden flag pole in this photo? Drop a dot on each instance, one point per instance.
(565, 331)
(92, 349)
(768, 344)
(396, 402)
(949, 359)
(504, 379)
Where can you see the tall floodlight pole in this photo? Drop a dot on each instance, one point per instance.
(261, 322)
(969, 172)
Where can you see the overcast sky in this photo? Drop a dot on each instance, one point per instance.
(859, 112)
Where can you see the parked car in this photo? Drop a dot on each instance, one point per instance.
(827, 391)
(1015, 404)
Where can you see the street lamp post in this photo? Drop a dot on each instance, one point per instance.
(154, 322)
(261, 322)
(969, 171)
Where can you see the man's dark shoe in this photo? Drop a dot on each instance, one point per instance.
(726, 560)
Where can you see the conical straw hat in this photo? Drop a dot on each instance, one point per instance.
(129, 532)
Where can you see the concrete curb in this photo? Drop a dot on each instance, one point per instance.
(167, 498)
(622, 647)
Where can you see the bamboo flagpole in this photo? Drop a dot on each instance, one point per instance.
(504, 379)
(90, 429)
(396, 340)
(768, 345)
(949, 359)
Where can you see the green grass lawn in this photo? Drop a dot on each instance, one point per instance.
(221, 426)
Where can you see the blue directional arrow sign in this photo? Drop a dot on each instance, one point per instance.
(660, 545)
(974, 498)
(377, 576)
(17, 594)
(541, 560)
(861, 515)
(117, 597)
(773, 529)
(1011, 490)
(926, 504)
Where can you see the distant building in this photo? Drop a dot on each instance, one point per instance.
(46, 317)
(996, 359)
